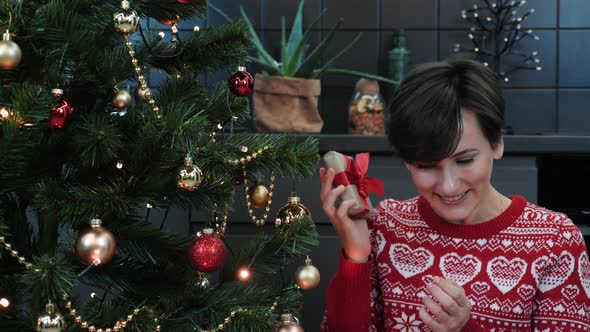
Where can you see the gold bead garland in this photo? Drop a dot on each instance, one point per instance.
(271, 187)
(212, 134)
(242, 161)
(14, 253)
(220, 227)
(227, 319)
(141, 79)
(73, 312)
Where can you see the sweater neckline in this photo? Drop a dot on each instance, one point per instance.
(472, 231)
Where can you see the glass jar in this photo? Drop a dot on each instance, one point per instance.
(366, 109)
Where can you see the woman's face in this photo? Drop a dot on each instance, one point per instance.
(458, 187)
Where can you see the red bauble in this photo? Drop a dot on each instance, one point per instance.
(61, 112)
(241, 83)
(186, 1)
(207, 252)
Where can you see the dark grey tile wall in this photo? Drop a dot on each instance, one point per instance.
(534, 102)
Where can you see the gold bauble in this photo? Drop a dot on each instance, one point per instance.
(96, 245)
(122, 99)
(189, 175)
(293, 210)
(10, 52)
(258, 196)
(288, 324)
(307, 276)
(127, 20)
(50, 321)
(140, 93)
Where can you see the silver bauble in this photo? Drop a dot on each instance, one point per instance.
(10, 52)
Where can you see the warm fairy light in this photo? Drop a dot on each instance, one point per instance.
(244, 274)
(4, 112)
(196, 28)
(162, 35)
(92, 295)
(119, 164)
(149, 206)
(4, 303)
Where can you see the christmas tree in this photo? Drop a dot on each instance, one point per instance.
(80, 159)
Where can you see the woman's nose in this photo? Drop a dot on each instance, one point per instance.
(449, 181)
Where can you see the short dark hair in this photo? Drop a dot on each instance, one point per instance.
(424, 117)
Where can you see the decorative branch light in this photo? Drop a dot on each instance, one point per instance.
(495, 36)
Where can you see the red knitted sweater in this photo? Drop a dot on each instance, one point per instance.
(525, 270)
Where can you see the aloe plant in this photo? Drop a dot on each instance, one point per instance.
(293, 62)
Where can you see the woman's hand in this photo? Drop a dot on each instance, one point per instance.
(353, 233)
(452, 311)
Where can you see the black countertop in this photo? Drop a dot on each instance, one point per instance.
(513, 144)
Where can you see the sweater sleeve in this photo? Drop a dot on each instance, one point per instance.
(353, 299)
(563, 284)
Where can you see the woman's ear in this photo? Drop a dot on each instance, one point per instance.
(499, 149)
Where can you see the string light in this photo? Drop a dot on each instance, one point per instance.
(119, 164)
(244, 274)
(4, 112)
(4, 302)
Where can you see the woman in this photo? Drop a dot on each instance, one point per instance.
(461, 256)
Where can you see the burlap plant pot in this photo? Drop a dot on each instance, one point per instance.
(286, 104)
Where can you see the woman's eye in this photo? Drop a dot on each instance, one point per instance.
(465, 161)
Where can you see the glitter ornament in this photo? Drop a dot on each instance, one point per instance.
(207, 252)
(241, 83)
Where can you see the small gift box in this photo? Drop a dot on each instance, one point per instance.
(352, 174)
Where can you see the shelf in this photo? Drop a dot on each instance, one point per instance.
(513, 144)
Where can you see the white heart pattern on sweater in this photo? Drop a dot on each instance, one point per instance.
(380, 241)
(570, 292)
(584, 272)
(410, 262)
(505, 273)
(462, 269)
(550, 272)
(526, 292)
(480, 287)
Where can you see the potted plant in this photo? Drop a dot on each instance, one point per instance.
(286, 95)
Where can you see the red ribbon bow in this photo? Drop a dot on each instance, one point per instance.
(356, 174)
